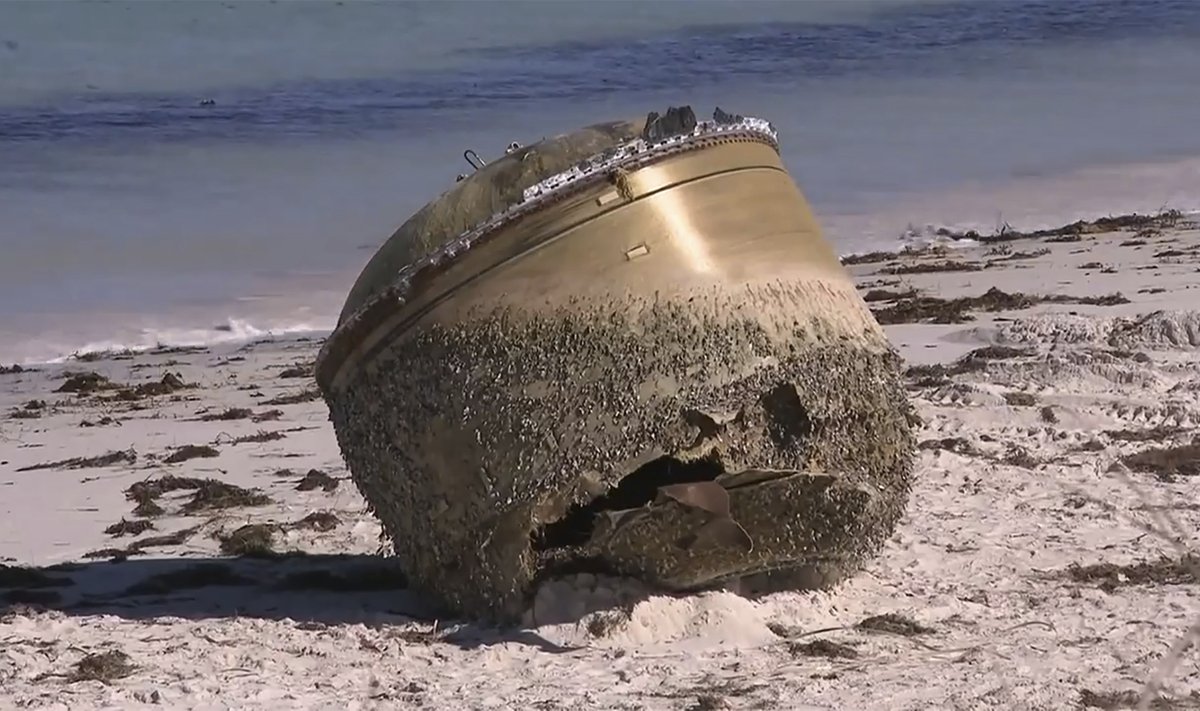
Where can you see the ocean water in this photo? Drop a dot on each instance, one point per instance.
(193, 170)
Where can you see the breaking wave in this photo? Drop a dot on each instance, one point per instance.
(231, 332)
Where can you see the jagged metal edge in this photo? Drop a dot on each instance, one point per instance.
(598, 167)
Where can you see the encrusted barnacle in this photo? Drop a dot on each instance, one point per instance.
(620, 179)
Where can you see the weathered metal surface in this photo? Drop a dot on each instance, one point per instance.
(640, 357)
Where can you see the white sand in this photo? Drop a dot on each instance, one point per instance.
(979, 559)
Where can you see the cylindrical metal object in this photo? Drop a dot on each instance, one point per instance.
(620, 352)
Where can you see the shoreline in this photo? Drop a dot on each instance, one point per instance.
(1057, 421)
(241, 329)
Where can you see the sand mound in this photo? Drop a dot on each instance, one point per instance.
(620, 612)
(1162, 330)
(1053, 330)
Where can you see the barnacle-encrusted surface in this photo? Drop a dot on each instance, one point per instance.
(472, 438)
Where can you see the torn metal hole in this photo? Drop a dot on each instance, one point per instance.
(636, 490)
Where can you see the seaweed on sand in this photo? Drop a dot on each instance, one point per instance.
(323, 521)
(932, 309)
(299, 370)
(85, 383)
(822, 648)
(258, 437)
(138, 547)
(1153, 434)
(232, 413)
(1129, 699)
(1166, 462)
(314, 479)
(946, 265)
(255, 540)
(1164, 571)
(974, 361)
(191, 451)
(125, 527)
(210, 494)
(128, 456)
(104, 667)
(170, 383)
(889, 295)
(1073, 232)
(295, 398)
(893, 623)
(214, 495)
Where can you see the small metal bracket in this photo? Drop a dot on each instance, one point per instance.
(606, 198)
(639, 251)
(473, 158)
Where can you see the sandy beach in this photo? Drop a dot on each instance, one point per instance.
(177, 529)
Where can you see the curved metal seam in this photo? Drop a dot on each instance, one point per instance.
(468, 239)
(403, 323)
(632, 156)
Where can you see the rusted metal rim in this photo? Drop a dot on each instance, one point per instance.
(603, 168)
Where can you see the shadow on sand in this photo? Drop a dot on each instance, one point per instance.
(313, 590)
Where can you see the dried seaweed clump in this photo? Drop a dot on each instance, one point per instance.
(300, 370)
(102, 460)
(1129, 699)
(823, 648)
(191, 451)
(85, 383)
(1163, 571)
(889, 295)
(92, 383)
(894, 623)
(228, 414)
(124, 527)
(138, 547)
(104, 667)
(932, 309)
(212, 495)
(977, 360)
(168, 384)
(254, 540)
(946, 265)
(209, 495)
(1143, 224)
(317, 479)
(294, 398)
(1166, 462)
